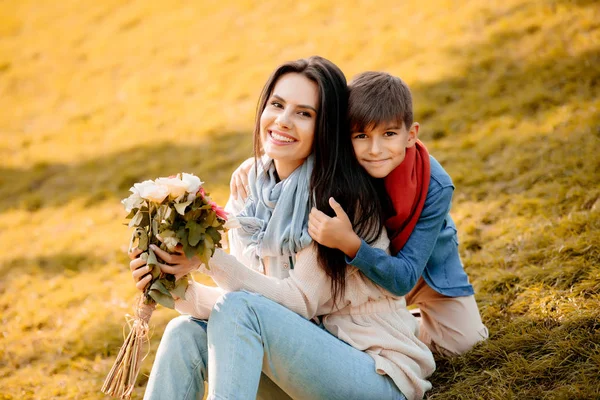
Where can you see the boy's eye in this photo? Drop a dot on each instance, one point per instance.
(389, 133)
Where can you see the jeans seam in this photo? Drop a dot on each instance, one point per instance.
(194, 368)
(230, 375)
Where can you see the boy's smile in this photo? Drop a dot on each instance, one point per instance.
(381, 149)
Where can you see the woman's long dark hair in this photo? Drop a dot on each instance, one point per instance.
(336, 172)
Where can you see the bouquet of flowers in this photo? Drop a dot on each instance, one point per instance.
(166, 212)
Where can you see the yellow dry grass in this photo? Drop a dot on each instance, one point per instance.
(95, 96)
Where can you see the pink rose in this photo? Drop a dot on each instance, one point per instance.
(219, 211)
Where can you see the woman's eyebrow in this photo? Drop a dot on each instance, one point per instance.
(299, 105)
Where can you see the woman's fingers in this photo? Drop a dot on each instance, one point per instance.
(169, 269)
(142, 283)
(134, 253)
(136, 263)
(140, 272)
(163, 255)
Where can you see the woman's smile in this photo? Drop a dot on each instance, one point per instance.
(280, 138)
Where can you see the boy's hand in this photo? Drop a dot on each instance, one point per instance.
(333, 232)
(238, 185)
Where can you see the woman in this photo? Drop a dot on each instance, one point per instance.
(302, 114)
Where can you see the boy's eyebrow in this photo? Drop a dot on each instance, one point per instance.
(299, 105)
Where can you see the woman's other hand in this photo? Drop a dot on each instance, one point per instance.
(178, 264)
(238, 185)
(336, 232)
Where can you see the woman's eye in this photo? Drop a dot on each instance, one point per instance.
(360, 136)
(304, 113)
(276, 104)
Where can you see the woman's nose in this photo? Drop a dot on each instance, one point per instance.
(283, 120)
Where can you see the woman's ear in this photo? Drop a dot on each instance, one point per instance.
(413, 134)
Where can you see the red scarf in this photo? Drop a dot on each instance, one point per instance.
(407, 187)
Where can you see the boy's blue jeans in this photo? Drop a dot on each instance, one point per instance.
(248, 333)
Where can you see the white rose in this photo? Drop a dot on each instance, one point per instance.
(175, 186)
(149, 190)
(133, 201)
(192, 181)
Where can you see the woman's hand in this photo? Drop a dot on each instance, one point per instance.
(239, 180)
(139, 270)
(179, 264)
(336, 232)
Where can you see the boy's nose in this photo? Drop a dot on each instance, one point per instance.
(375, 148)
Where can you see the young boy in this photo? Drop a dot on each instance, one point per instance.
(425, 265)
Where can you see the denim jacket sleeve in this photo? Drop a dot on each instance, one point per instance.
(399, 274)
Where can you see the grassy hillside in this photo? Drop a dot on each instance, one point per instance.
(95, 96)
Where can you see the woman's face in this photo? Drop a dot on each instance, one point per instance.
(287, 124)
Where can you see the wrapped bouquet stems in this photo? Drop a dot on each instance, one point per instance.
(121, 379)
(179, 212)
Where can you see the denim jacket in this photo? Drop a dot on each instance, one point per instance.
(431, 250)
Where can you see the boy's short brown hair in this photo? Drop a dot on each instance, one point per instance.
(378, 98)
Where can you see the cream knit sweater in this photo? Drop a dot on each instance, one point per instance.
(368, 317)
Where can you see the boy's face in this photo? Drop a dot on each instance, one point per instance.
(381, 149)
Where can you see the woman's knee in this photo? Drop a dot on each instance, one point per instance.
(185, 331)
(236, 301)
(236, 306)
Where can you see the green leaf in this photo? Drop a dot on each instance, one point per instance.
(214, 234)
(188, 250)
(168, 281)
(155, 225)
(160, 286)
(180, 287)
(167, 233)
(204, 258)
(152, 260)
(208, 242)
(193, 215)
(210, 219)
(162, 299)
(196, 233)
(145, 218)
(140, 237)
(137, 219)
(132, 213)
(155, 272)
(180, 207)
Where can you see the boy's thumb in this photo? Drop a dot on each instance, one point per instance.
(337, 208)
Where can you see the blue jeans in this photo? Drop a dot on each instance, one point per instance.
(248, 333)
